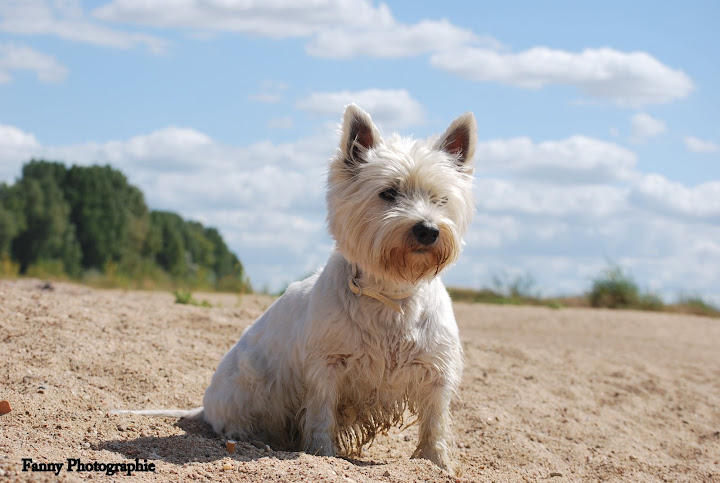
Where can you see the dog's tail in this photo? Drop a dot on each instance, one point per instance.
(194, 414)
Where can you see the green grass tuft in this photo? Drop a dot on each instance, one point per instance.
(185, 297)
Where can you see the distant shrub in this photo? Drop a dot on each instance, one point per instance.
(614, 289)
(694, 304)
(650, 301)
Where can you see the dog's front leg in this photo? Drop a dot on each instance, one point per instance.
(434, 418)
(319, 420)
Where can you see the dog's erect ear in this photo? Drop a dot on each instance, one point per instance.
(359, 134)
(460, 139)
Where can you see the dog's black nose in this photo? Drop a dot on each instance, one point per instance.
(426, 233)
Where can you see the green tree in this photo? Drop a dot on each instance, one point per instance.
(229, 271)
(9, 219)
(59, 220)
(111, 216)
(47, 235)
(170, 254)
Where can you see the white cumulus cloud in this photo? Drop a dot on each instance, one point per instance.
(16, 147)
(12, 138)
(528, 198)
(267, 18)
(391, 108)
(701, 201)
(20, 57)
(634, 78)
(577, 159)
(66, 19)
(336, 29)
(645, 127)
(357, 28)
(394, 39)
(699, 146)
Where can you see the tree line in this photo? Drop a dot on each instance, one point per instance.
(88, 221)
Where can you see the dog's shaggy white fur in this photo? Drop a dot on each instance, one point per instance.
(341, 355)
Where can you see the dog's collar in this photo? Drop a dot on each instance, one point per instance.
(386, 299)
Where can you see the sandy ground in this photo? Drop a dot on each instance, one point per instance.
(547, 395)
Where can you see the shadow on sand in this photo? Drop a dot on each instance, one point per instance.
(199, 444)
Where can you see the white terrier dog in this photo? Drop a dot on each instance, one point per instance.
(341, 355)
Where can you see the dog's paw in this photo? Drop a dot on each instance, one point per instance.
(320, 445)
(438, 454)
(234, 433)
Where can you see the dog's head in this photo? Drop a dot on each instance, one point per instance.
(399, 208)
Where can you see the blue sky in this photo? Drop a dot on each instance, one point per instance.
(598, 124)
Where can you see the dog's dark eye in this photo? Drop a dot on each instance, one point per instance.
(442, 201)
(389, 194)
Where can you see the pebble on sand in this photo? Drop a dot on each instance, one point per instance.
(230, 446)
(5, 407)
